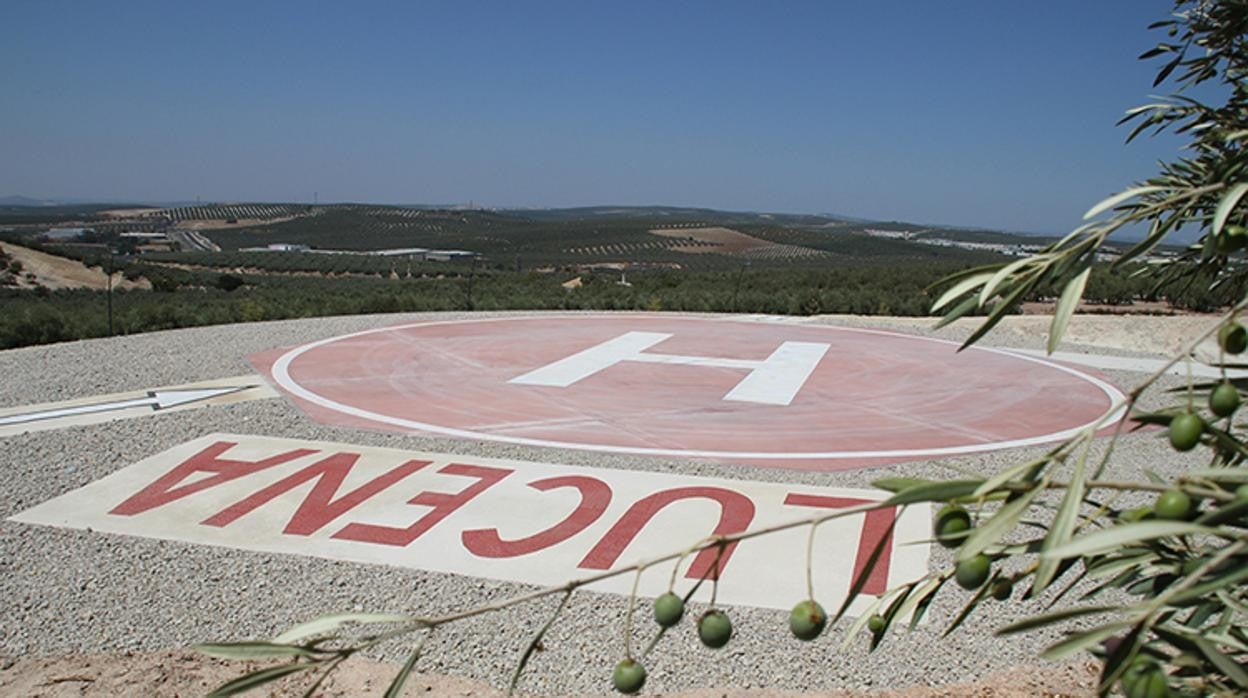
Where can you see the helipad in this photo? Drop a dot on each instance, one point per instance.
(768, 393)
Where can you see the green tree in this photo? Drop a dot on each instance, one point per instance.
(1186, 556)
(229, 282)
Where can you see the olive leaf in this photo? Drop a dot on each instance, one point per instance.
(1109, 539)
(330, 623)
(252, 650)
(258, 678)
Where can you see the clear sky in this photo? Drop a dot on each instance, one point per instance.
(988, 113)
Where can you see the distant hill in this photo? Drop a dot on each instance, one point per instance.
(692, 238)
(675, 214)
(25, 201)
(688, 237)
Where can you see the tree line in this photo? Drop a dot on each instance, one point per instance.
(190, 298)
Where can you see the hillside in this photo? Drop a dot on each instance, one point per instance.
(597, 235)
(212, 264)
(600, 235)
(54, 272)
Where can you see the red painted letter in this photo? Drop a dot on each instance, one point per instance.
(443, 503)
(165, 489)
(736, 513)
(595, 496)
(319, 507)
(877, 530)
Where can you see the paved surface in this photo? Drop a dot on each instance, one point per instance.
(766, 393)
(64, 590)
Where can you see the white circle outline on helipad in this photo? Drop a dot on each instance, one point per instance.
(281, 375)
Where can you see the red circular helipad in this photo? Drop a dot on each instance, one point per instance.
(766, 392)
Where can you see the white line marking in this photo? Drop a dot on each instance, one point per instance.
(281, 376)
(157, 400)
(132, 404)
(708, 361)
(584, 364)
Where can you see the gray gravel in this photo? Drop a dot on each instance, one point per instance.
(78, 591)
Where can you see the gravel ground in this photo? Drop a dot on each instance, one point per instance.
(65, 591)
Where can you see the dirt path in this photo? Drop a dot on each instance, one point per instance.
(58, 272)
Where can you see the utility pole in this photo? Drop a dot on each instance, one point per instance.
(472, 272)
(109, 293)
(737, 289)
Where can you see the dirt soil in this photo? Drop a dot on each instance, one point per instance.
(58, 272)
(725, 240)
(222, 224)
(128, 212)
(185, 673)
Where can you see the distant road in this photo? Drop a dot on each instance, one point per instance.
(193, 240)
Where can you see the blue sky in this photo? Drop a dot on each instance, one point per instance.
(984, 113)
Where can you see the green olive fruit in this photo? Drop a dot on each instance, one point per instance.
(668, 610)
(971, 574)
(1185, 430)
(951, 522)
(1224, 400)
(1162, 582)
(1145, 678)
(714, 629)
(1241, 493)
(1227, 244)
(1233, 238)
(1173, 505)
(1002, 589)
(1233, 338)
(875, 624)
(1136, 514)
(629, 676)
(807, 620)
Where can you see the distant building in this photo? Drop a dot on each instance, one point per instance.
(150, 237)
(65, 234)
(448, 255)
(401, 252)
(287, 247)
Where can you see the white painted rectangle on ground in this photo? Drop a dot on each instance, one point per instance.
(106, 408)
(510, 520)
(584, 364)
(778, 378)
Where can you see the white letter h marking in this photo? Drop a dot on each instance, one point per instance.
(772, 381)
